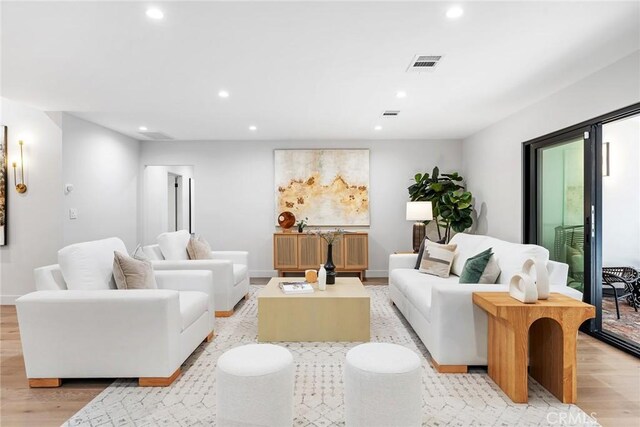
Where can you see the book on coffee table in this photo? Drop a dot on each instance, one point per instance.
(296, 288)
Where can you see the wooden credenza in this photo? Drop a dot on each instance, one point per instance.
(296, 252)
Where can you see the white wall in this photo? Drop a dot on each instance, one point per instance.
(492, 157)
(34, 223)
(621, 195)
(102, 165)
(235, 200)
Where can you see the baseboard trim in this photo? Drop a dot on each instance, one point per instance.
(9, 299)
(376, 273)
(263, 273)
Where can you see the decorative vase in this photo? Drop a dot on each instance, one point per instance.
(330, 266)
(522, 288)
(322, 278)
(540, 278)
(300, 229)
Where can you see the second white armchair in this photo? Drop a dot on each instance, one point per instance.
(230, 269)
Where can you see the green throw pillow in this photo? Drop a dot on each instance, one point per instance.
(474, 267)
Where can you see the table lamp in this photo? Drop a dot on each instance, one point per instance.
(419, 212)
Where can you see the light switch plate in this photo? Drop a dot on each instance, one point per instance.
(73, 213)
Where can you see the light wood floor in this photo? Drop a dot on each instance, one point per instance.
(608, 383)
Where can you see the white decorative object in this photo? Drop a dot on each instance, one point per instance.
(523, 289)
(373, 367)
(322, 278)
(255, 386)
(540, 277)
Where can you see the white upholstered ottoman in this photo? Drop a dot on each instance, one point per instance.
(382, 386)
(254, 386)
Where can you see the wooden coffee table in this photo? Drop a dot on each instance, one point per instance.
(341, 313)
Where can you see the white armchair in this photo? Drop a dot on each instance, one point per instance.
(230, 269)
(101, 332)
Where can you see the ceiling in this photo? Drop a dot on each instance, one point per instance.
(304, 70)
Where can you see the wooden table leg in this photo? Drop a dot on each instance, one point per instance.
(553, 358)
(508, 354)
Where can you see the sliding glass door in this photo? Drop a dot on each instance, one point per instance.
(620, 197)
(561, 216)
(581, 201)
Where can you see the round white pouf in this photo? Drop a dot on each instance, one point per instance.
(254, 386)
(382, 386)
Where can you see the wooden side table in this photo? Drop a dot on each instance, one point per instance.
(544, 332)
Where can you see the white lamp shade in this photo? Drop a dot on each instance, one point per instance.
(419, 211)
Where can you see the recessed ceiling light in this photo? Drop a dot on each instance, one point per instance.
(253, 127)
(223, 94)
(377, 127)
(142, 128)
(455, 12)
(154, 13)
(401, 94)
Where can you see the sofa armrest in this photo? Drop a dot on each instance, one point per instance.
(73, 333)
(236, 257)
(49, 278)
(459, 326)
(558, 273)
(222, 274)
(402, 261)
(191, 280)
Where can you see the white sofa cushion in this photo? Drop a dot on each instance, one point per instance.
(510, 256)
(468, 246)
(416, 287)
(192, 305)
(89, 265)
(174, 245)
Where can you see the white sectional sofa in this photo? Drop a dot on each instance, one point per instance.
(441, 310)
(77, 325)
(229, 269)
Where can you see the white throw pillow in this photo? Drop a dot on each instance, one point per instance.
(491, 271)
(174, 245)
(89, 265)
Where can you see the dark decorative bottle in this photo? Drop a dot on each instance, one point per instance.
(330, 266)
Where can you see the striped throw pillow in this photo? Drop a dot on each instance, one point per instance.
(437, 259)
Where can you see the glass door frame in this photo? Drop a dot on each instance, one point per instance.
(591, 132)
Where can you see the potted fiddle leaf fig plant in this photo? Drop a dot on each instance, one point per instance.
(452, 204)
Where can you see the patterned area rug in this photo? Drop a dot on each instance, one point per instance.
(449, 400)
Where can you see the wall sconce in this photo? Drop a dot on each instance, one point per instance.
(21, 187)
(605, 159)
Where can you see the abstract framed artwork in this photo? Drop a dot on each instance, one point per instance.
(3, 186)
(330, 187)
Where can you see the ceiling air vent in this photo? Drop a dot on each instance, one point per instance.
(424, 63)
(390, 113)
(156, 136)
